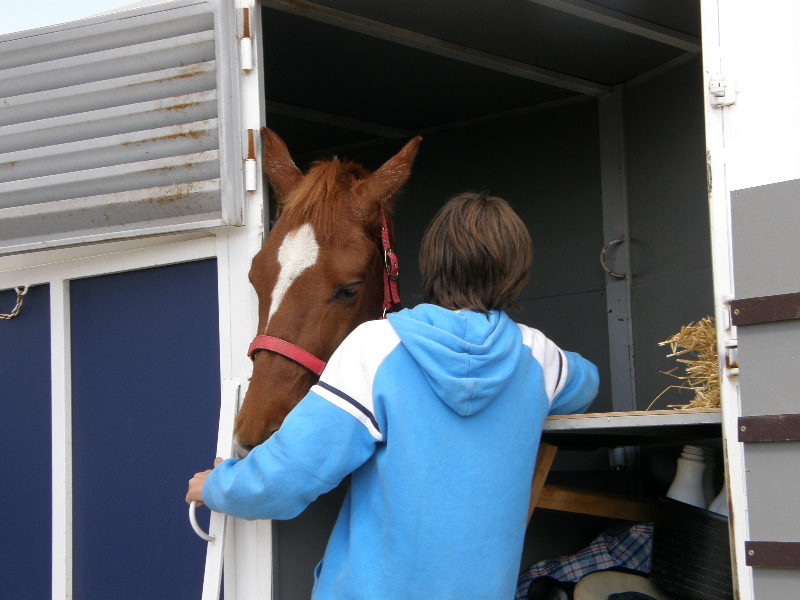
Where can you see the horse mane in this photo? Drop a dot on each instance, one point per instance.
(324, 196)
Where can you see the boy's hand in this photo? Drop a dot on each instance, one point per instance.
(195, 491)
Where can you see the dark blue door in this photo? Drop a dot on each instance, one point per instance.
(146, 388)
(25, 501)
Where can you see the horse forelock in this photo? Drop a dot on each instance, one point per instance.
(324, 197)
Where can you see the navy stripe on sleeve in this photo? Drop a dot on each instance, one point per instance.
(361, 408)
(560, 369)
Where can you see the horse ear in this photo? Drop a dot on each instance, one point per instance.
(283, 174)
(381, 185)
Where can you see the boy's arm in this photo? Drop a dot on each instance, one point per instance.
(315, 448)
(570, 380)
(328, 435)
(580, 386)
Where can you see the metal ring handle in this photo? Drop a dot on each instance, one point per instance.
(193, 520)
(603, 264)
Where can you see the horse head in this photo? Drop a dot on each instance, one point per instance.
(319, 274)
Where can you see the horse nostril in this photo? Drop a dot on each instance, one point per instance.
(240, 451)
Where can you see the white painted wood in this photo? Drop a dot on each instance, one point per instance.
(759, 49)
(618, 20)
(434, 45)
(212, 578)
(751, 143)
(50, 257)
(61, 407)
(102, 261)
(722, 269)
(248, 544)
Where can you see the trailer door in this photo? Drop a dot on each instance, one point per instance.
(750, 54)
(128, 143)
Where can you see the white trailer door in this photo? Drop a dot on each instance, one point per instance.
(751, 54)
(125, 126)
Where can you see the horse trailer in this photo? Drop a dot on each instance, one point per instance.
(651, 147)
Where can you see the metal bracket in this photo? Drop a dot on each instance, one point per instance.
(765, 309)
(723, 92)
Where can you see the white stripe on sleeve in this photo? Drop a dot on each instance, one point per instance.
(553, 361)
(348, 378)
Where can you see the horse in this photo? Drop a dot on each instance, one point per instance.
(326, 266)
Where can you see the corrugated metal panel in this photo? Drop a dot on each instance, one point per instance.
(111, 127)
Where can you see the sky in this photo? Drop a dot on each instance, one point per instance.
(17, 15)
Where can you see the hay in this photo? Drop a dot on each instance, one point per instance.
(702, 371)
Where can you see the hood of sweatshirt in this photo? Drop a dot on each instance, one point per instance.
(468, 357)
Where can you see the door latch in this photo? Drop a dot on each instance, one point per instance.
(723, 91)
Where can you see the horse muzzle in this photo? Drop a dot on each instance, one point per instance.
(240, 451)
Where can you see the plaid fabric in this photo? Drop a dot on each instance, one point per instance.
(621, 545)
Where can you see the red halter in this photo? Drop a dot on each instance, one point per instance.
(391, 301)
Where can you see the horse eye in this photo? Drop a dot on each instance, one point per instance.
(345, 292)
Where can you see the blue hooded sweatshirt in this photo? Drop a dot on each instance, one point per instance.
(438, 415)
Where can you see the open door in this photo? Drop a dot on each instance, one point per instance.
(766, 312)
(127, 141)
(753, 172)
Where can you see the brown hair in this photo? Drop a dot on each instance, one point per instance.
(476, 254)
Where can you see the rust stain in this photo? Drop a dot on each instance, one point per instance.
(183, 191)
(8, 165)
(183, 106)
(191, 72)
(195, 135)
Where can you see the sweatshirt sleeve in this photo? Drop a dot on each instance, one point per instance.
(570, 381)
(579, 388)
(315, 448)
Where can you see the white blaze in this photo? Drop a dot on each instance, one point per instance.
(299, 251)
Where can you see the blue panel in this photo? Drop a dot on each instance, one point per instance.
(25, 446)
(145, 380)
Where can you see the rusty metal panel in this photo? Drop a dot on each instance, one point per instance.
(115, 127)
(773, 555)
(765, 309)
(769, 428)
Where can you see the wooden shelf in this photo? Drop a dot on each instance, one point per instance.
(597, 430)
(632, 428)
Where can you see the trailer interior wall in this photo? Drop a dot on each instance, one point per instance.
(331, 90)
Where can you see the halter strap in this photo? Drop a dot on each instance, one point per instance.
(279, 346)
(391, 301)
(391, 293)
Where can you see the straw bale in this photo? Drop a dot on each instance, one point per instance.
(696, 345)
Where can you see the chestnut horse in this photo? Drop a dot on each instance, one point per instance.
(319, 275)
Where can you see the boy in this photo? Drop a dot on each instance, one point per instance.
(437, 413)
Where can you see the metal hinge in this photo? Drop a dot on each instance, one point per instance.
(250, 163)
(731, 342)
(723, 92)
(731, 357)
(246, 43)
